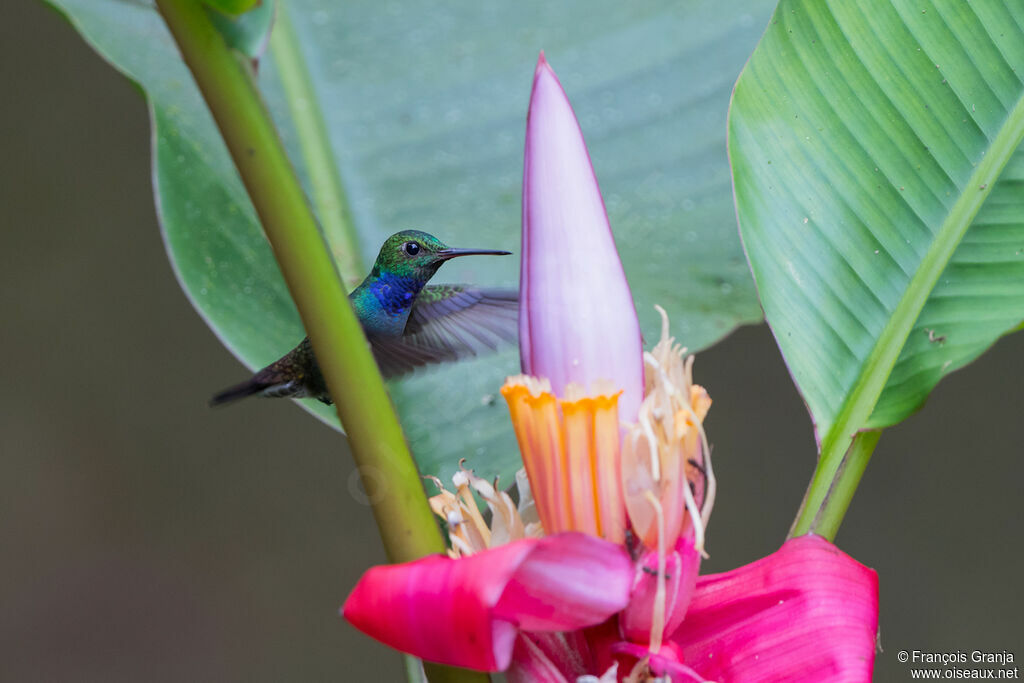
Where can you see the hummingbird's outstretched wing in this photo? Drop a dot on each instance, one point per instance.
(449, 322)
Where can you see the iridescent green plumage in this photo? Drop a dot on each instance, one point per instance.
(407, 322)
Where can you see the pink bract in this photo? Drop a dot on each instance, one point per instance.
(808, 612)
(467, 612)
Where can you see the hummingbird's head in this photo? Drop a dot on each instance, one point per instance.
(417, 254)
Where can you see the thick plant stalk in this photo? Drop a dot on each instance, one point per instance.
(390, 478)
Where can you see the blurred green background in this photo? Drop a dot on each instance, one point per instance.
(146, 537)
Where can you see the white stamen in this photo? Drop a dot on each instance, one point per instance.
(484, 488)
(664, 320)
(670, 386)
(668, 391)
(652, 446)
(710, 484)
(658, 619)
(461, 545)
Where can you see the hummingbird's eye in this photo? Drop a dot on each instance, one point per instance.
(411, 248)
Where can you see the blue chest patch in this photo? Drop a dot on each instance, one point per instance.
(395, 294)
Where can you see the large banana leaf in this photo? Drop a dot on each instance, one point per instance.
(424, 105)
(880, 195)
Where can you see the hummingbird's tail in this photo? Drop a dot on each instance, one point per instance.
(294, 375)
(249, 387)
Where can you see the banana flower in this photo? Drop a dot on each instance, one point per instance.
(593, 575)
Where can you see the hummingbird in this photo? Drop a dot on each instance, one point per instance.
(407, 322)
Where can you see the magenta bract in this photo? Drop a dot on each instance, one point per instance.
(808, 612)
(467, 612)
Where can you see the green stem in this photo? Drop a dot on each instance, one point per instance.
(325, 180)
(832, 487)
(390, 477)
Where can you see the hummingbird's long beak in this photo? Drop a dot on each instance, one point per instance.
(449, 253)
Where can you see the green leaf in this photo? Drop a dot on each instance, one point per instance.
(423, 111)
(880, 194)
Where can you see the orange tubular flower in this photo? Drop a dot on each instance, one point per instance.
(570, 450)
